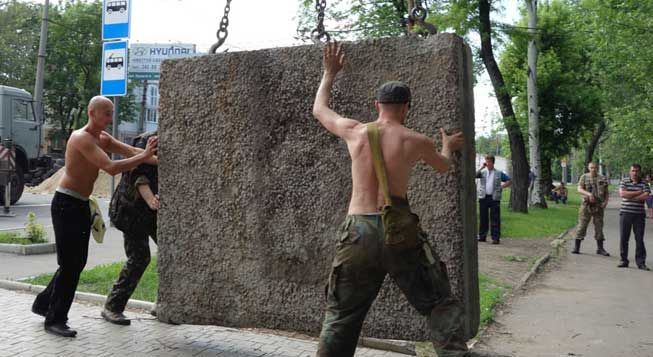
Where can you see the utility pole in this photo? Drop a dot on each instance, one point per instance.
(40, 65)
(536, 198)
(141, 118)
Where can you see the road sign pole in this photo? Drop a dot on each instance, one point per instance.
(114, 133)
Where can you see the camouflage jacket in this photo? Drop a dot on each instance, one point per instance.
(597, 186)
(128, 211)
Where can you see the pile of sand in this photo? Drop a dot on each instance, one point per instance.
(102, 186)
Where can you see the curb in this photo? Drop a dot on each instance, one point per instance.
(556, 244)
(30, 249)
(79, 296)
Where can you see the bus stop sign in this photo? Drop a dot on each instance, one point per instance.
(114, 68)
(115, 19)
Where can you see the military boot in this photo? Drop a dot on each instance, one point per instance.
(600, 250)
(576, 246)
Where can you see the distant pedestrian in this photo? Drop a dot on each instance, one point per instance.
(133, 211)
(634, 192)
(492, 183)
(559, 194)
(594, 189)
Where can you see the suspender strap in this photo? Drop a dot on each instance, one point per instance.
(377, 157)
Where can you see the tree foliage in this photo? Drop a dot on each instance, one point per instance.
(19, 38)
(73, 58)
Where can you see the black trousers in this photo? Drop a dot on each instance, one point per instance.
(488, 204)
(71, 218)
(636, 223)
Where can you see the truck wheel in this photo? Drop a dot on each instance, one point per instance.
(17, 186)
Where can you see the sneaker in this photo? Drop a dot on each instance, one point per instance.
(495, 241)
(643, 267)
(623, 265)
(115, 317)
(482, 239)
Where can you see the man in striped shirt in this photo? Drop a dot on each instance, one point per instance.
(634, 192)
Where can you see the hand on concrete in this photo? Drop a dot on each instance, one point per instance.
(334, 58)
(151, 147)
(453, 142)
(154, 203)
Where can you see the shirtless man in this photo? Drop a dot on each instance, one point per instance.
(71, 217)
(362, 260)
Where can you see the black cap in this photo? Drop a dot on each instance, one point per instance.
(393, 92)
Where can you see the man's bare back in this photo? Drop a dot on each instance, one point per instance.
(86, 151)
(402, 148)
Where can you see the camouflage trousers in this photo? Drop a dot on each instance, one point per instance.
(358, 270)
(587, 213)
(137, 248)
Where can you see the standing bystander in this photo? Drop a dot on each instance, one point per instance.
(594, 189)
(492, 183)
(634, 192)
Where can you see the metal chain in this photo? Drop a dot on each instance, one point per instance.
(418, 15)
(222, 31)
(318, 34)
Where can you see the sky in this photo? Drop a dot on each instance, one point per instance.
(256, 24)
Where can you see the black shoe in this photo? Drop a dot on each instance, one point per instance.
(623, 265)
(38, 311)
(60, 329)
(576, 246)
(115, 317)
(600, 250)
(482, 239)
(642, 267)
(495, 241)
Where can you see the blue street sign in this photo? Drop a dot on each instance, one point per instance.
(114, 68)
(115, 19)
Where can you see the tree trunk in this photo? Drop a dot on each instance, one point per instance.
(546, 181)
(591, 146)
(519, 192)
(537, 196)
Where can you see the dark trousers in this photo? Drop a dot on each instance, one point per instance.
(636, 223)
(137, 248)
(488, 204)
(71, 218)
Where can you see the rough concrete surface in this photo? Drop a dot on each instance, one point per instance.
(253, 188)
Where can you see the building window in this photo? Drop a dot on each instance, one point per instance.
(153, 96)
(151, 115)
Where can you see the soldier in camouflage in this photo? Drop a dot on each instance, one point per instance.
(133, 211)
(594, 189)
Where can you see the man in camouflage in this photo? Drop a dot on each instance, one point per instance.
(594, 189)
(363, 258)
(133, 211)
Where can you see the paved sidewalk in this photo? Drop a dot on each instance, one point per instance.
(22, 334)
(584, 307)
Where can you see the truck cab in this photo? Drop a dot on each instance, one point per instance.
(18, 123)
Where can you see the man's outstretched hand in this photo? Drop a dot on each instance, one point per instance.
(453, 142)
(334, 58)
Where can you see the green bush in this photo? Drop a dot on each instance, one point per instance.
(34, 232)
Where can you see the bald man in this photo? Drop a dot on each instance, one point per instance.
(71, 217)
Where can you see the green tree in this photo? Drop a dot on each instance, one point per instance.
(621, 32)
(569, 94)
(73, 63)
(19, 38)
